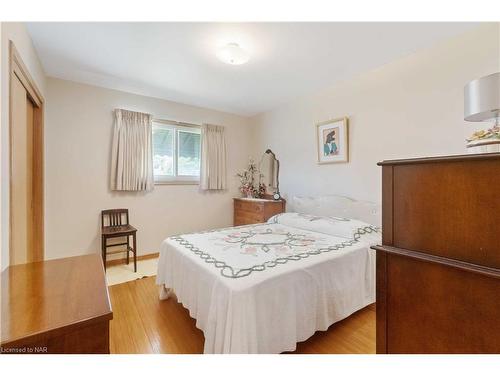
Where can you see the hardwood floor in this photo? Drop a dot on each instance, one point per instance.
(144, 324)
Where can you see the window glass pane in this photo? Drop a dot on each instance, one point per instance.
(188, 163)
(163, 151)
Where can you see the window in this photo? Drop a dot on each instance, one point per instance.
(176, 153)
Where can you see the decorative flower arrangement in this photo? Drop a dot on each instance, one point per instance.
(492, 134)
(247, 181)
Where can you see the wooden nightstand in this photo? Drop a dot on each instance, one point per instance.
(56, 306)
(253, 211)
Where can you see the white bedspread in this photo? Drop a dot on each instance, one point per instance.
(263, 288)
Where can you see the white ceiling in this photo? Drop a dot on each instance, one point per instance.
(176, 61)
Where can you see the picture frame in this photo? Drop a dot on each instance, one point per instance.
(332, 137)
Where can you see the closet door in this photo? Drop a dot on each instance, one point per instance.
(21, 209)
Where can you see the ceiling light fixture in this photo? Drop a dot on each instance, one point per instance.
(232, 54)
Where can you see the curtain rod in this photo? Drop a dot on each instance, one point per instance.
(172, 122)
(169, 122)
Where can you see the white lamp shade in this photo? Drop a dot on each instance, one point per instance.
(232, 54)
(482, 98)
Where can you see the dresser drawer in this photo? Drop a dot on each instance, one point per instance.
(448, 209)
(244, 218)
(249, 206)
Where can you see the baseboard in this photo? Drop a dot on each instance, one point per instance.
(114, 262)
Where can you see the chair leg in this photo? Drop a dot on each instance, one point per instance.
(135, 252)
(128, 249)
(103, 250)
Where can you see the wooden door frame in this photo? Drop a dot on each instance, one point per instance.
(18, 69)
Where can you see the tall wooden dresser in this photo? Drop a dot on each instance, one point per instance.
(438, 268)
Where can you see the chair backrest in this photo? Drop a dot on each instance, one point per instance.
(116, 217)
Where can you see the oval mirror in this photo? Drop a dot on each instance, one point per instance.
(269, 168)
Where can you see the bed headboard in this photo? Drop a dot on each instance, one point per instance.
(336, 205)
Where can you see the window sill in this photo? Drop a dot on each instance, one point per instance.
(177, 182)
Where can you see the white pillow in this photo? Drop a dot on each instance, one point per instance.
(333, 226)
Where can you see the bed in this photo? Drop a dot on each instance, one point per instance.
(262, 288)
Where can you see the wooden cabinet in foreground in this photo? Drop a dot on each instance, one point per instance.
(438, 268)
(253, 211)
(56, 306)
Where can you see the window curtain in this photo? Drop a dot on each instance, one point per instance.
(132, 151)
(213, 158)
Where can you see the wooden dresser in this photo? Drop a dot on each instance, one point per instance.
(56, 306)
(252, 211)
(438, 268)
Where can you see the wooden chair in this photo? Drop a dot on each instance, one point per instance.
(114, 227)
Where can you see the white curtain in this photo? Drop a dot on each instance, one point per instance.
(213, 158)
(132, 151)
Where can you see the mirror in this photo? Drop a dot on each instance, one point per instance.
(269, 169)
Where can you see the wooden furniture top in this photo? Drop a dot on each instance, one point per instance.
(259, 200)
(450, 158)
(47, 298)
(418, 255)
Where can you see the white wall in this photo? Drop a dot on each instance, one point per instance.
(408, 108)
(78, 134)
(18, 34)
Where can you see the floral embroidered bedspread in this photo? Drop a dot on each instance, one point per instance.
(240, 251)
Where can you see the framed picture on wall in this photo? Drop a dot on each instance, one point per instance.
(333, 141)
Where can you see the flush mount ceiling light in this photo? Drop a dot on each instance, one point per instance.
(232, 54)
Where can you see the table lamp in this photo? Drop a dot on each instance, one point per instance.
(482, 104)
